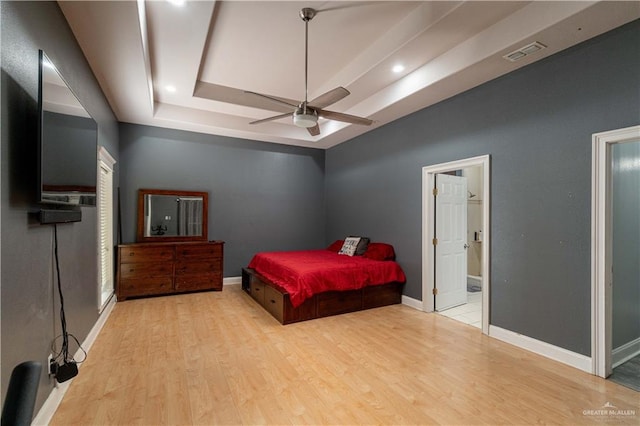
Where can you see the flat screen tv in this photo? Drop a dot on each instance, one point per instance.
(68, 139)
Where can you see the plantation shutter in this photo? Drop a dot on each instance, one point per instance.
(105, 229)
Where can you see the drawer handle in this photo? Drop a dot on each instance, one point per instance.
(131, 254)
(257, 289)
(273, 301)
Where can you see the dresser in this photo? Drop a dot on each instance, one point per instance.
(146, 269)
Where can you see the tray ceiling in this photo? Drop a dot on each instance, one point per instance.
(185, 65)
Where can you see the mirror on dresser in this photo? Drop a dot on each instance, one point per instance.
(168, 215)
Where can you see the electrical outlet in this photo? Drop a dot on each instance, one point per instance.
(50, 364)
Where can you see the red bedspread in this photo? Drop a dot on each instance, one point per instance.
(305, 273)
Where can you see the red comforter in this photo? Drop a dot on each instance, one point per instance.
(305, 273)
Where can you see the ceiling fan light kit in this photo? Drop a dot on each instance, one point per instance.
(305, 119)
(306, 114)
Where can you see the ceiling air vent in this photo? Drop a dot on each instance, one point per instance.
(516, 55)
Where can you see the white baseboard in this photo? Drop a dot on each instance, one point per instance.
(579, 361)
(48, 409)
(231, 281)
(412, 303)
(624, 353)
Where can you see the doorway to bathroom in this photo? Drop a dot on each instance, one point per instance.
(615, 254)
(456, 240)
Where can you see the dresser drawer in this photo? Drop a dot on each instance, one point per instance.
(146, 270)
(257, 290)
(199, 282)
(184, 267)
(273, 302)
(143, 287)
(146, 254)
(198, 251)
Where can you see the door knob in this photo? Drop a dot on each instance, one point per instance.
(466, 246)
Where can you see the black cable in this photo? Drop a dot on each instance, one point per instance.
(64, 350)
(58, 354)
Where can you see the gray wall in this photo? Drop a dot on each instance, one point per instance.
(625, 201)
(29, 311)
(262, 196)
(536, 123)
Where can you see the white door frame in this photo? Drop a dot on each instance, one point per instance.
(428, 209)
(601, 279)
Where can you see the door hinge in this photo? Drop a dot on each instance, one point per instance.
(435, 191)
(435, 241)
(435, 291)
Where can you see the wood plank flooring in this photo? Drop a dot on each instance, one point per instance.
(219, 358)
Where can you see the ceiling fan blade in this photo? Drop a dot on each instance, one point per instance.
(314, 131)
(272, 99)
(275, 117)
(329, 98)
(346, 118)
(307, 113)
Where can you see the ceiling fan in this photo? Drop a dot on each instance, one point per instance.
(306, 113)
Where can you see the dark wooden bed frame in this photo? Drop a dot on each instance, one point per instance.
(275, 300)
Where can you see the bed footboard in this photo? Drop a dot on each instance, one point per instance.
(276, 301)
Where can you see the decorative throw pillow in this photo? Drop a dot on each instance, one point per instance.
(362, 246)
(380, 251)
(350, 245)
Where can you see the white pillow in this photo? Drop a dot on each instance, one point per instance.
(350, 245)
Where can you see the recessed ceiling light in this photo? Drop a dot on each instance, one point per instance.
(169, 88)
(397, 68)
(177, 2)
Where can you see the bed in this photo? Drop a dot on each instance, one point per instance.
(302, 285)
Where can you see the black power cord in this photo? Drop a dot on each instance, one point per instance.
(67, 367)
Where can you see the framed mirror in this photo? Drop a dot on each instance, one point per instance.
(167, 215)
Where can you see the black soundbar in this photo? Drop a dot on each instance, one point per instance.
(48, 216)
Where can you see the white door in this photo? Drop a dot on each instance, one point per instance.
(451, 241)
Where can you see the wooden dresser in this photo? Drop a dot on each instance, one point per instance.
(146, 269)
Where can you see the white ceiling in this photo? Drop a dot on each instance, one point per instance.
(212, 51)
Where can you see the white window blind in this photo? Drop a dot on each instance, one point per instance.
(105, 230)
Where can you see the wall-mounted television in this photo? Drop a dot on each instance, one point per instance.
(68, 139)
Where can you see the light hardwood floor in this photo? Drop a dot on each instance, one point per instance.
(219, 358)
